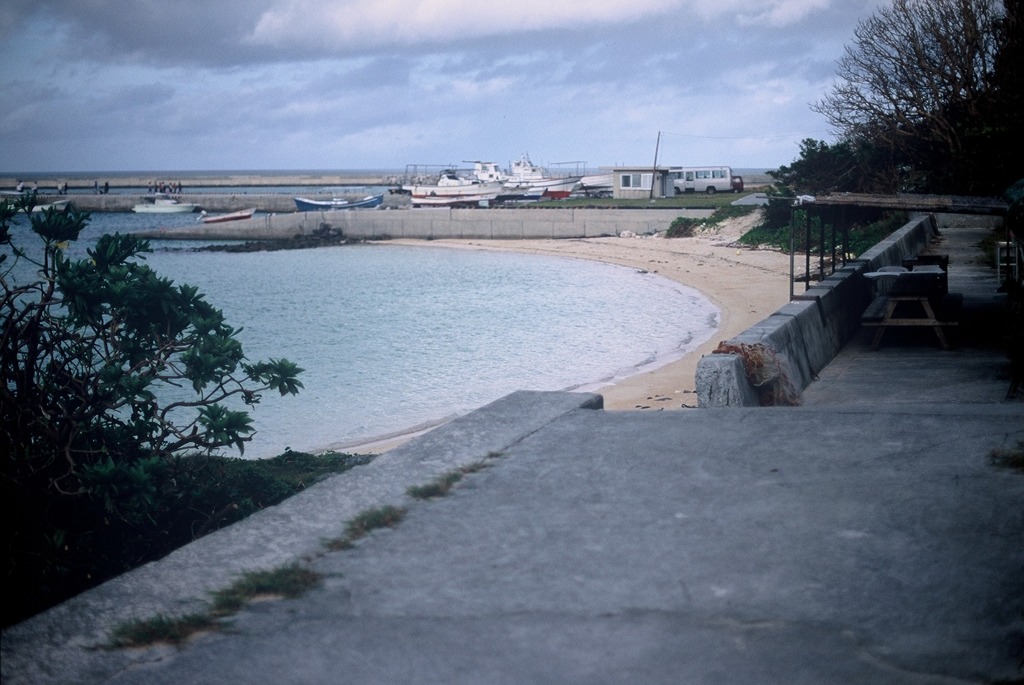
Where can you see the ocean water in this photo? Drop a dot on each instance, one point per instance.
(397, 337)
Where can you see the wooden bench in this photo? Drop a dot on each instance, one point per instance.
(881, 313)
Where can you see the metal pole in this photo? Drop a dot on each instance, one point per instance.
(821, 247)
(654, 171)
(792, 251)
(807, 252)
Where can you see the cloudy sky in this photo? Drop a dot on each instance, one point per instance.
(144, 85)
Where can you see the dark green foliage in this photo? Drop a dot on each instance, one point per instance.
(109, 376)
(820, 168)
(928, 98)
(867, 227)
(683, 227)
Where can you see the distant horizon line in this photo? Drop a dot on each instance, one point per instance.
(164, 173)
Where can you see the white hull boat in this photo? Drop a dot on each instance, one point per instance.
(596, 184)
(307, 205)
(452, 189)
(530, 179)
(165, 205)
(231, 216)
(59, 205)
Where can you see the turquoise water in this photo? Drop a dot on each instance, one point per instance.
(395, 337)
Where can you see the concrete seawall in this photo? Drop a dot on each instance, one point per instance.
(808, 332)
(439, 223)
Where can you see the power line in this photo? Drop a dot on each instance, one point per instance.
(771, 137)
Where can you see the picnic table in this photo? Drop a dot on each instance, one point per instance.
(909, 296)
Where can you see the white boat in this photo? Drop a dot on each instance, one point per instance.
(230, 216)
(596, 184)
(452, 189)
(306, 205)
(478, 200)
(528, 178)
(164, 204)
(59, 205)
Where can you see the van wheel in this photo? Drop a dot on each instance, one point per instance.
(711, 190)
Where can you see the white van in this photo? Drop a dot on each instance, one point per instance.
(705, 179)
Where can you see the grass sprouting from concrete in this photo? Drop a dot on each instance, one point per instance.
(362, 524)
(160, 628)
(287, 582)
(443, 484)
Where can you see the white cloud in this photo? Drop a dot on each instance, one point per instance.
(370, 83)
(773, 13)
(368, 23)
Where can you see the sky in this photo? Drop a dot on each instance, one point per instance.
(150, 85)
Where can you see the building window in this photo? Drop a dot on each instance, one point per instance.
(638, 181)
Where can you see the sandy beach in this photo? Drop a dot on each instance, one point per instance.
(745, 284)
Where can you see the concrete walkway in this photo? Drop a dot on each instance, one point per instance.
(865, 537)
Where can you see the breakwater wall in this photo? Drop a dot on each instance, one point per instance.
(88, 181)
(210, 202)
(438, 223)
(808, 332)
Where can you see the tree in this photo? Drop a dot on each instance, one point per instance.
(821, 168)
(913, 89)
(110, 377)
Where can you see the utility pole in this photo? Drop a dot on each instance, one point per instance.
(654, 171)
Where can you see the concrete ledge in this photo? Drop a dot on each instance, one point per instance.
(61, 639)
(808, 332)
(722, 382)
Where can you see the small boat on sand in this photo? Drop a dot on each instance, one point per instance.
(164, 204)
(306, 205)
(231, 216)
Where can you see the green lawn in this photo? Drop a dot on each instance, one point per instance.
(689, 201)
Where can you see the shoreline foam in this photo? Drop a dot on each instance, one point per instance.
(745, 284)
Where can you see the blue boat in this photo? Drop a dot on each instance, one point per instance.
(306, 205)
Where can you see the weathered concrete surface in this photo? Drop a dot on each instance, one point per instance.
(57, 646)
(810, 331)
(806, 545)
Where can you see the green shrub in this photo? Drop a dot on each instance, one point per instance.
(116, 387)
(683, 227)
